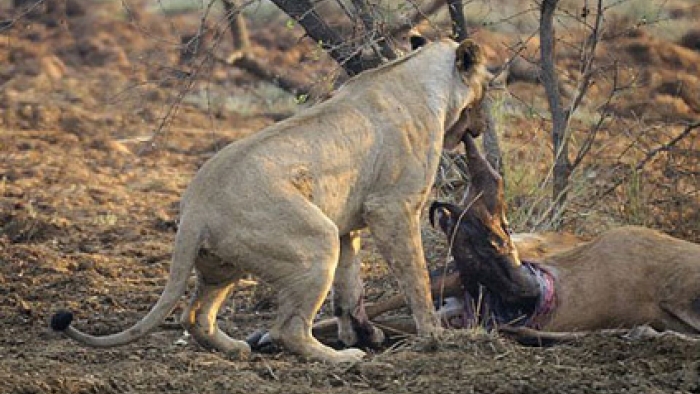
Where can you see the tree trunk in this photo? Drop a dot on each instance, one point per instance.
(303, 12)
(560, 140)
(459, 22)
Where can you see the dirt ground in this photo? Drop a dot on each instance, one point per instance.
(88, 208)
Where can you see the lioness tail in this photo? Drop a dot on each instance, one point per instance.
(188, 239)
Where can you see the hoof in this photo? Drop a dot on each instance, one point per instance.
(260, 341)
(371, 338)
(364, 336)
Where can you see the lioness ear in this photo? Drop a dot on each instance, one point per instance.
(469, 55)
(417, 41)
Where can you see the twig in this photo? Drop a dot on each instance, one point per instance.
(587, 62)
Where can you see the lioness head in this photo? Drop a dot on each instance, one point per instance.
(466, 112)
(467, 81)
(470, 64)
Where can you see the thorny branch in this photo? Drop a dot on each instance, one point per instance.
(366, 14)
(653, 153)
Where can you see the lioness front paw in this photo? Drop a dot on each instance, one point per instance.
(351, 355)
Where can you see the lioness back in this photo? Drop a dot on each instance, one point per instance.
(339, 151)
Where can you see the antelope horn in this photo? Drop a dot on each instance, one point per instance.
(484, 178)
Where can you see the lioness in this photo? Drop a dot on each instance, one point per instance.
(286, 204)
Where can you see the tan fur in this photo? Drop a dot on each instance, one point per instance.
(286, 203)
(537, 246)
(626, 277)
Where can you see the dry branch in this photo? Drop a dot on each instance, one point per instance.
(251, 64)
(237, 25)
(243, 59)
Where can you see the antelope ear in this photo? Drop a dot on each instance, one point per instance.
(437, 214)
(417, 41)
(469, 56)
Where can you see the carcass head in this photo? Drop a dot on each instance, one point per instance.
(479, 234)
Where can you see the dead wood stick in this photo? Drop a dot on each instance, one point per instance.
(530, 336)
(246, 61)
(327, 330)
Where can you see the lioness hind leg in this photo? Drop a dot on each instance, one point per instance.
(354, 327)
(302, 292)
(199, 318)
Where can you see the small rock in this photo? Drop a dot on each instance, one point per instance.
(23, 306)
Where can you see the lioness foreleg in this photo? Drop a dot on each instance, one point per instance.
(395, 226)
(354, 327)
(199, 318)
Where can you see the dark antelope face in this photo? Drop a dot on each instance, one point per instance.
(477, 239)
(479, 234)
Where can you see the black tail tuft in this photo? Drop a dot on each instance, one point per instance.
(61, 320)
